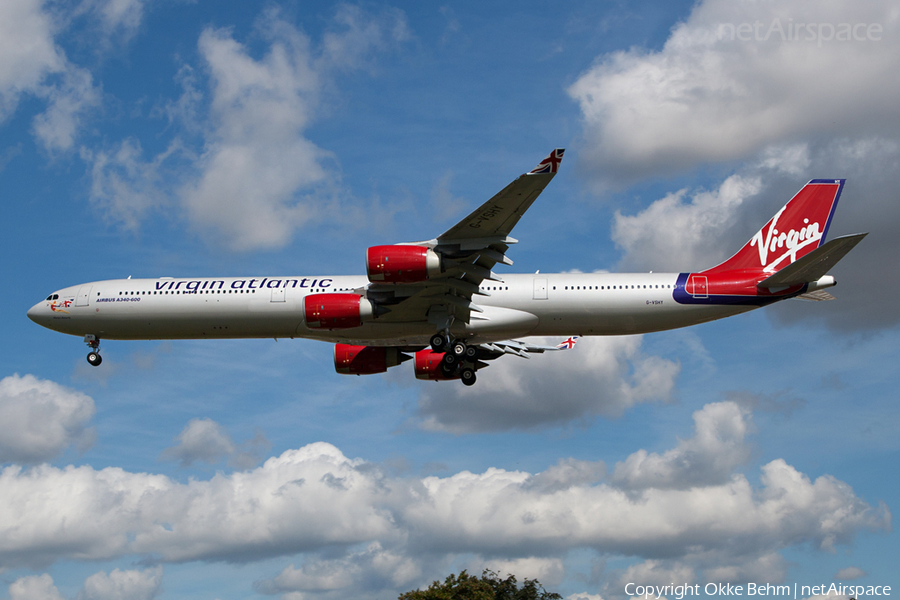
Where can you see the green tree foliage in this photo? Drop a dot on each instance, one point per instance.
(487, 587)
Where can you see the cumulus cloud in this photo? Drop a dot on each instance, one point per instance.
(123, 185)
(31, 63)
(117, 585)
(548, 571)
(674, 235)
(116, 17)
(687, 235)
(358, 528)
(357, 574)
(122, 585)
(708, 458)
(39, 419)
(849, 573)
(767, 102)
(709, 96)
(68, 102)
(256, 157)
(611, 375)
(657, 573)
(256, 177)
(204, 440)
(27, 51)
(35, 587)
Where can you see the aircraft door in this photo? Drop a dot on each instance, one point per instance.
(540, 288)
(84, 296)
(278, 294)
(698, 286)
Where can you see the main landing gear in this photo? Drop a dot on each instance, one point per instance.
(93, 356)
(459, 357)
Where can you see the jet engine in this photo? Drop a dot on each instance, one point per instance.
(337, 311)
(428, 366)
(366, 360)
(401, 264)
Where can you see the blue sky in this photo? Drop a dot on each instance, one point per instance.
(231, 138)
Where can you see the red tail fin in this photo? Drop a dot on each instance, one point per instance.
(795, 230)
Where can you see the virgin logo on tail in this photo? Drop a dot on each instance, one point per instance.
(795, 230)
(792, 241)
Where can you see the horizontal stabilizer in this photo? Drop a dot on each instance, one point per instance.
(817, 296)
(815, 264)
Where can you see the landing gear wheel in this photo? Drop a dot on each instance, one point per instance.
(471, 352)
(450, 359)
(468, 376)
(458, 348)
(94, 358)
(438, 342)
(447, 370)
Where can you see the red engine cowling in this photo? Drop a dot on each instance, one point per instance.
(336, 311)
(428, 365)
(365, 360)
(401, 264)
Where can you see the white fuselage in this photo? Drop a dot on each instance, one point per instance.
(557, 304)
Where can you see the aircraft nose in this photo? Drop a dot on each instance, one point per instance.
(36, 312)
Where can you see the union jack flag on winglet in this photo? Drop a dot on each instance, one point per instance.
(549, 164)
(568, 344)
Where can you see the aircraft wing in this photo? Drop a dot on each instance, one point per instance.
(468, 252)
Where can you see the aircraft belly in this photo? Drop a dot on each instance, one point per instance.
(621, 316)
(186, 320)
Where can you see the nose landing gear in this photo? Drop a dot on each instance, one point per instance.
(93, 356)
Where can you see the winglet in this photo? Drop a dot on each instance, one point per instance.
(550, 164)
(567, 344)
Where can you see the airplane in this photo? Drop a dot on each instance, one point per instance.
(440, 302)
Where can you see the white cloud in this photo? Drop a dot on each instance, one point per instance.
(122, 585)
(769, 567)
(204, 440)
(201, 440)
(792, 159)
(117, 585)
(849, 573)
(118, 16)
(657, 573)
(610, 375)
(351, 45)
(256, 159)
(35, 587)
(256, 178)
(39, 419)
(705, 97)
(57, 127)
(362, 529)
(708, 458)
(31, 63)
(357, 574)
(27, 51)
(123, 185)
(673, 235)
(548, 571)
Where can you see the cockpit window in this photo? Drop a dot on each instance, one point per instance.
(53, 297)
